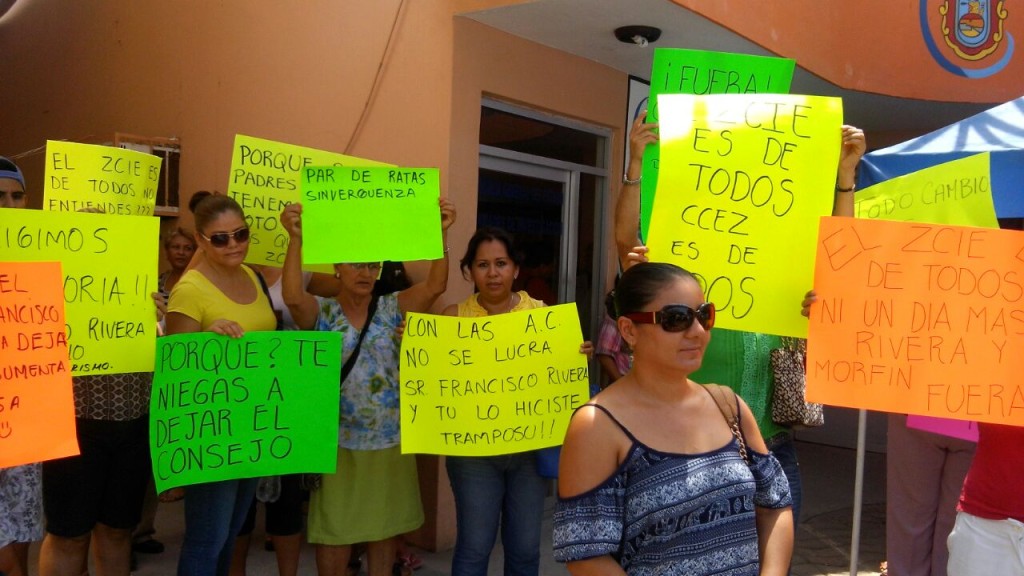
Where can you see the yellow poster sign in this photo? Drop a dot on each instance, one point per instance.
(493, 385)
(109, 266)
(957, 192)
(111, 180)
(265, 177)
(742, 183)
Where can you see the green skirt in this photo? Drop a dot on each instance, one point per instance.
(374, 495)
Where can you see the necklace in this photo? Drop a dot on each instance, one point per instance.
(511, 304)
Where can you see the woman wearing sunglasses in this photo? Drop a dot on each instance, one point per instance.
(737, 359)
(660, 475)
(496, 490)
(374, 495)
(222, 295)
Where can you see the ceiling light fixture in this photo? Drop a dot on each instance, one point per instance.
(639, 35)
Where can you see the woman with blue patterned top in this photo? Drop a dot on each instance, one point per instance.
(653, 478)
(374, 495)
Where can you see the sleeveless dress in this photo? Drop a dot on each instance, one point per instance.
(665, 513)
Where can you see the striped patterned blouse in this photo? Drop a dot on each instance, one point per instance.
(664, 513)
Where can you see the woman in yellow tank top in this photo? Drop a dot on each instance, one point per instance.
(493, 490)
(219, 295)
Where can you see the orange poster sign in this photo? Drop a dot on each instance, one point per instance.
(918, 318)
(37, 411)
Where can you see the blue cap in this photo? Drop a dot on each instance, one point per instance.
(8, 169)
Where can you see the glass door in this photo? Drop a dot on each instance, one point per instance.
(543, 178)
(533, 203)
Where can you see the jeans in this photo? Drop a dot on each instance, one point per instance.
(492, 489)
(784, 449)
(214, 513)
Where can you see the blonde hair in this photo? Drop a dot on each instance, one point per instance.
(179, 231)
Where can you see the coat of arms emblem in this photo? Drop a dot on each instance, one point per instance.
(972, 28)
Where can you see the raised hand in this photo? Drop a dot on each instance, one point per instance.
(291, 220)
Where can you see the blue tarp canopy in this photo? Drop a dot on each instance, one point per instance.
(999, 130)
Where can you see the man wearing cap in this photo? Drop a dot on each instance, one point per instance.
(12, 185)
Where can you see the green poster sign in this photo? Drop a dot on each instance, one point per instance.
(260, 405)
(699, 72)
(364, 214)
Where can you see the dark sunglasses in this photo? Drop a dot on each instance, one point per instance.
(221, 239)
(677, 317)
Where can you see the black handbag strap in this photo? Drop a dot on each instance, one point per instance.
(351, 362)
(266, 292)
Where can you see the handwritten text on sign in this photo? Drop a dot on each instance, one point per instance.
(37, 411)
(112, 180)
(744, 179)
(225, 408)
(370, 214)
(265, 177)
(493, 385)
(957, 192)
(108, 281)
(919, 319)
(681, 71)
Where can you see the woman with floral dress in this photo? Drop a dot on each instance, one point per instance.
(374, 495)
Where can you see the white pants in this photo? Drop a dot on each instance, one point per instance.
(982, 547)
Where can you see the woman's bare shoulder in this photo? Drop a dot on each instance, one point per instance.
(594, 448)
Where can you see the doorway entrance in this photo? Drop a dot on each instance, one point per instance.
(544, 180)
